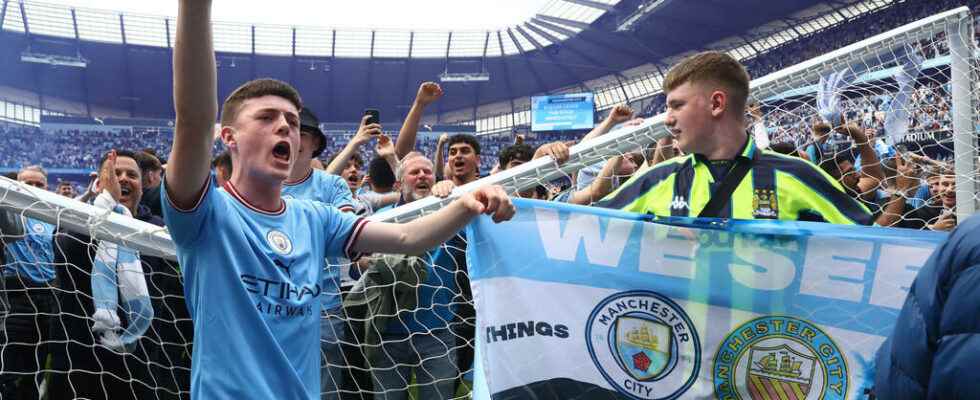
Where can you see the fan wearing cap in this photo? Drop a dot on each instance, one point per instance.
(307, 183)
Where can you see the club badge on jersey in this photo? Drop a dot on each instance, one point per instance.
(764, 204)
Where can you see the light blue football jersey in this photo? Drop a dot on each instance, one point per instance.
(253, 281)
(333, 191)
(323, 187)
(32, 257)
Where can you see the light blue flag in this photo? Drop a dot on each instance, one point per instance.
(584, 303)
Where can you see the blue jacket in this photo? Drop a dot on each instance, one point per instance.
(934, 352)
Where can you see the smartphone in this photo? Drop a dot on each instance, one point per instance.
(375, 116)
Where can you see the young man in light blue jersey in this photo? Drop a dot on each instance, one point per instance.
(28, 275)
(253, 261)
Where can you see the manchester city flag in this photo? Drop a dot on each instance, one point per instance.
(584, 303)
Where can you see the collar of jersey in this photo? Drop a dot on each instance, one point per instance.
(234, 193)
(748, 152)
(304, 179)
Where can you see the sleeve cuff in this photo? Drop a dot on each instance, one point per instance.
(204, 191)
(352, 238)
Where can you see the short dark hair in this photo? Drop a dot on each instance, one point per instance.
(355, 158)
(521, 152)
(712, 67)
(148, 162)
(822, 128)
(11, 175)
(832, 165)
(381, 174)
(464, 138)
(257, 88)
(223, 160)
(121, 153)
(787, 148)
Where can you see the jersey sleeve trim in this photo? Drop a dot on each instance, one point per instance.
(200, 200)
(352, 238)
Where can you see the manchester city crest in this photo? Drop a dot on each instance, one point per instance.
(764, 204)
(779, 357)
(279, 242)
(644, 344)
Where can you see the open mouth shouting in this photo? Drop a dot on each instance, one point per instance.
(459, 164)
(125, 191)
(281, 152)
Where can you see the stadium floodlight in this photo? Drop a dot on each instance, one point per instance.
(464, 76)
(641, 13)
(52, 59)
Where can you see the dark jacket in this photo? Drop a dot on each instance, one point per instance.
(73, 341)
(388, 287)
(934, 352)
(11, 230)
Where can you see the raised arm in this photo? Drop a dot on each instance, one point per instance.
(422, 234)
(600, 186)
(871, 173)
(428, 93)
(195, 102)
(758, 127)
(386, 151)
(665, 150)
(363, 135)
(439, 161)
(618, 115)
(906, 184)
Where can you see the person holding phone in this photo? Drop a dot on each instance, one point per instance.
(367, 131)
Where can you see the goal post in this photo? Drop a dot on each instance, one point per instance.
(871, 59)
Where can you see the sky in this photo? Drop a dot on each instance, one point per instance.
(403, 14)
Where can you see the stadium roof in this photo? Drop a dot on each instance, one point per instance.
(316, 38)
(569, 45)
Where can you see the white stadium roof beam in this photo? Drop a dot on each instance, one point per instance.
(551, 57)
(530, 67)
(593, 4)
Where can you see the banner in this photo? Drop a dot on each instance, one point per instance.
(585, 303)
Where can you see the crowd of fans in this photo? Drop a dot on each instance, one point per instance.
(929, 112)
(863, 27)
(74, 148)
(907, 185)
